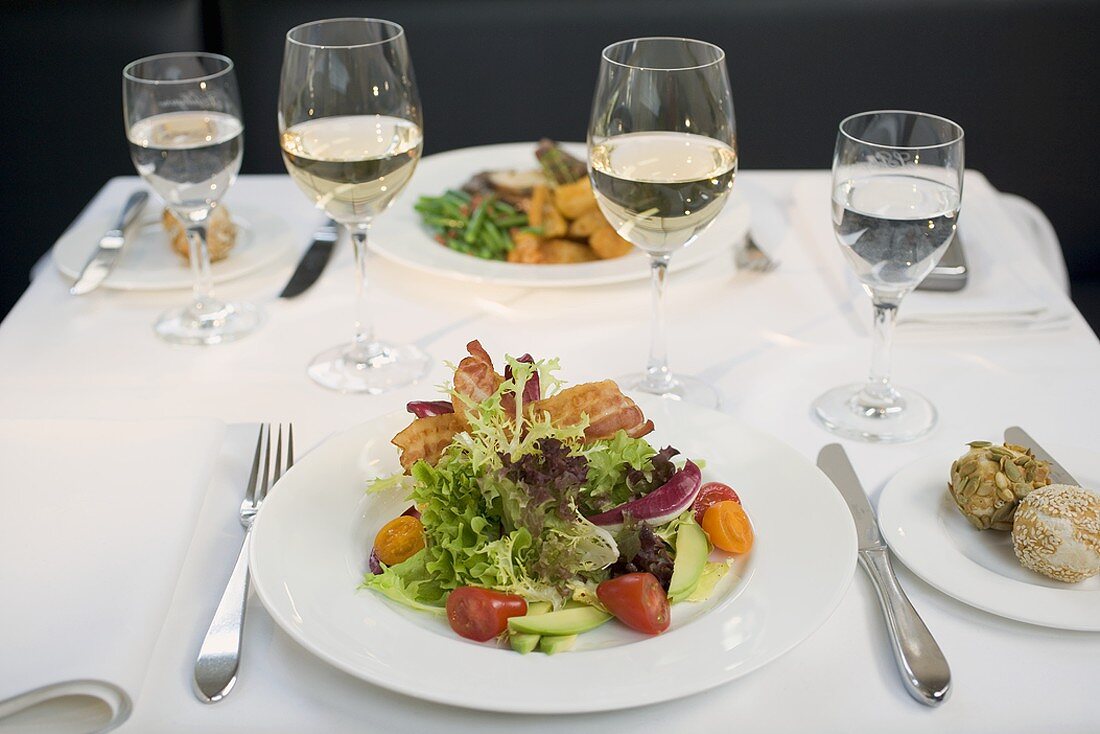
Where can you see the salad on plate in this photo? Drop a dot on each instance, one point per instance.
(539, 512)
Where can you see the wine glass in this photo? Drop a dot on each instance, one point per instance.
(662, 156)
(350, 130)
(183, 122)
(897, 185)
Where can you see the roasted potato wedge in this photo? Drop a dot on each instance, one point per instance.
(574, 199)
(560, 252)
(587, 224)
(607, 243)
(526, 248)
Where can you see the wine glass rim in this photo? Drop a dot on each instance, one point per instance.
(718, 60)
(128, 70)
(855, 138)
(399, 34)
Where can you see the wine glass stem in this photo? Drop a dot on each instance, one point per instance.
(364, 346)
(199, 255)
(878, 394)
(657, 376)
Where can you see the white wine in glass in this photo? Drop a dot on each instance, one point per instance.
(354, 165)
(662, 157)
(350, 131)
(186, 140)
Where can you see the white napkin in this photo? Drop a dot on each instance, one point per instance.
(1004, 289)
(96, 522)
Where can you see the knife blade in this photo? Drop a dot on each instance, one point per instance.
(109, 247)
(833, 460)
(919, 659)
(313, 262)
(1058, 473)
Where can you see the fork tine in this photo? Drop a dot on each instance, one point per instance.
(250, 493)
(278, 456)
(261, 491)
(289, 445)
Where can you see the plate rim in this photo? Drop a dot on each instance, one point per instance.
(525, 274)
(928, 567)
(846, 547)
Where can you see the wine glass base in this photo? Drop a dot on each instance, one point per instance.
(375, 369)
(217, 323)
(686, 389)
(842, 413)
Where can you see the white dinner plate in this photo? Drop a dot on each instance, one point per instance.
(148, 262)
(927, 532)
(312, 538)
(400, 236)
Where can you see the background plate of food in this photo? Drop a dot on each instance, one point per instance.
(321, 546)
(974, 541)
(503, 214)
(241, 239)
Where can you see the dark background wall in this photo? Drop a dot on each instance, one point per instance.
(1021, 76)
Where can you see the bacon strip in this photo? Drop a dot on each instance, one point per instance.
(608, 410)
(475, 378)
(425, 438)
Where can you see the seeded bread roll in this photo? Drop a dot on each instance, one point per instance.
(221, 234)
(988, 481)
(1057, 532)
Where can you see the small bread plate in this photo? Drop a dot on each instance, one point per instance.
(926, 531)
(148, 262)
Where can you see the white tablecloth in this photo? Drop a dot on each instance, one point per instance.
(771, 342)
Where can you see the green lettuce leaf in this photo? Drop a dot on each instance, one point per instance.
(409, 583)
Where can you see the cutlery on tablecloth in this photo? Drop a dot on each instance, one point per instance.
(1058, 473)
(110, 245)
(758, 251)
(313, 262)
(220, 654)
(920, 660)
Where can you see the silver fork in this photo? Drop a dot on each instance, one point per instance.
(747, 255)
(220, 654)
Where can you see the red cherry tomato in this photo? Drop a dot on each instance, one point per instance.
(482, 614)
(712, 493)
(637, 600)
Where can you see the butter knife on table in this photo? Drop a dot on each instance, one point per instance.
(919, 659)
(1058, 473)
(106, 253)
(313, 262)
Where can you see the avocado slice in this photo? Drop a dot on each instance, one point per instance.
(538, 607)
(557, 643)
(523, 643)
(692, 549)
(562, 622)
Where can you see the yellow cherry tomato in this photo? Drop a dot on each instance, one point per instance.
(399, 540)
(728, 527)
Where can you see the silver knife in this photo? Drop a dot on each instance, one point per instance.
(1058, 473)
(313, 262)
(110, 245)
(920, 661)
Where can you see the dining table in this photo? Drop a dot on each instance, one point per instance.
(770, 341)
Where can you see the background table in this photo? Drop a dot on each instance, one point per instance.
(770, 342)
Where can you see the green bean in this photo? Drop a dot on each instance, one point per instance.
(476, 219)
(517, 220)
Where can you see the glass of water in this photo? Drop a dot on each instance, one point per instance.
(183, 122)
(897, 186)
(662, 157)
(350, 130)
